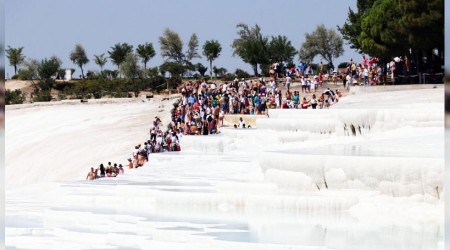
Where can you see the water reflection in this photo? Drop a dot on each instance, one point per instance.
(384, 149)
(335, 231)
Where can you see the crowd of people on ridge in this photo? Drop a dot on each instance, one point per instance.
(102, 171)
(158, 142)
(202, 106)
(200, 99)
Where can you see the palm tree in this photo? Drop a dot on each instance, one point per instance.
(119, 52)
(100, 60)
(211, 49)
(145, 52)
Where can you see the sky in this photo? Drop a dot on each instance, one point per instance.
(447, 37)
(52, 27)
(2, 33)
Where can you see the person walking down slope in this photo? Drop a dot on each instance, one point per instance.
(288, 82)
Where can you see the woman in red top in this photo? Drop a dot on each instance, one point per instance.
(321, 100)
(130, 163)
(320, 79)
(305, 103)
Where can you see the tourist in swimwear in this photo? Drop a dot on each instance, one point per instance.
(91, 175)
(130, 163)
(121, 170)
(135, 155)
(102, 171)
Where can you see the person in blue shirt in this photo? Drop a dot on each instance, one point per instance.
(303, 68)
(257, 100)
(191, 99)
(257, 103)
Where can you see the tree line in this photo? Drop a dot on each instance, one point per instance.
(133, 74)
(387, 28)
(378, 28)
(251, 46)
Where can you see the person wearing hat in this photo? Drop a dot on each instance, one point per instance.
(121, 171)
(212, 86)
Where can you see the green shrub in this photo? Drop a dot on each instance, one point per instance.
(240, 73)
(61, 74)
(342, 65)
(23, 75)
(46, 84)
(110, 73)
(99, 87)
(97, 94)
(120, 94)
(229, 77)
(265, 70)
(15, 77)
(14, 97)
(174, 82)
(42, 96)
(62, 96)
(61, 86)
(290, 65)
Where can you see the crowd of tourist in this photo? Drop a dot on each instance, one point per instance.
(157, 142)
(367, 73)
(205, 104)
(371, 72)
(102, 171)
(202, 107)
